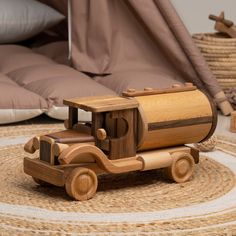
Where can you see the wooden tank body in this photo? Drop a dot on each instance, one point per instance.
(176, 118)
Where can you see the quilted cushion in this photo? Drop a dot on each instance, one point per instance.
(31, 82)
(26, 75)
(18, 61)
(121, 81)
(22, 98)
(17, 103)
(57, 51)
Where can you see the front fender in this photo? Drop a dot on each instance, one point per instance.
(84, 153)
(77, 153)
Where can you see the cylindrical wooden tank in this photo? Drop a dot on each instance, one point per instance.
(174, 118)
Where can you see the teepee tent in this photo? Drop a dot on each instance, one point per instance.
(138, 40)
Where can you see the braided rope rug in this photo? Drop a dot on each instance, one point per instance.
(128, 204)
(227, 145)
(36, 126)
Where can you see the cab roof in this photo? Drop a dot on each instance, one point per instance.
(102, 103)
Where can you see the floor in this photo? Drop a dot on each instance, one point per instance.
(223, 204)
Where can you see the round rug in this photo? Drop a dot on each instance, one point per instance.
(145, 193)
(226, 144)
(30, 129)
(116, 193)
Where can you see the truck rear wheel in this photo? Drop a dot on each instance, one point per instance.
(81, 184)
(182, 167)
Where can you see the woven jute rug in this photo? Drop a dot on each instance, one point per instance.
(128, 204)
(139, 203)
(36, 126)
(226, 144)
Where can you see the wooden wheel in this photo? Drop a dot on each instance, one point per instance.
(182, 167)
(41, 182)
(81, 184)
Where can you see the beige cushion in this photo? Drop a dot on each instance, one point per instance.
(21, 60)
(22, 19)
(55, 89)
(13, 115)
(8, 50)
(34, 73)
(14, 96)
(35, 84)
(57, 51)
(6, 80)
(121, 81)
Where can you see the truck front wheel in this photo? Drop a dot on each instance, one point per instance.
(81, 184)
(182, 167)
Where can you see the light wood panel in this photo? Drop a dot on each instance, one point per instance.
(175, 106)
(174, 136)
(102, 104)
(174, 119)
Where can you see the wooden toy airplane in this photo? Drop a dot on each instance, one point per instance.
(224, 26)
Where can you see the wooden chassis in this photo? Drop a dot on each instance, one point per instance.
(57, 174)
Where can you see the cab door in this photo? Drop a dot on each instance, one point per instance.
(121, 133)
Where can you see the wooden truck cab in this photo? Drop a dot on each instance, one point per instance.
(123, 136)
(113, 126)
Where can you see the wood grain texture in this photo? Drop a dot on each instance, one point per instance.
(155, 160)
(182, 167)
(102, 104)
(71, 136)
(123, 143)
(175, 89)
(83, 128)
(101, 134)
(81, 184)
(179, 123)
(45, 150)
(175, 136)
(175, 106)
(173, 119)
(223, 25)
(75, 153)
(29, 146)
(214, 117)
(43, 171)
(221, 18)
(73, 117)
(98, 120)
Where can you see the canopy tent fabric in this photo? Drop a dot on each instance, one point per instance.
(113, 36)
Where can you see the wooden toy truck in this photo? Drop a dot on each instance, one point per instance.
(142, 130)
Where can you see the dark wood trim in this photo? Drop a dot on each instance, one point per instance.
(73, 117)
(75, 140)
(195, 154)
(214, 116)
(44, 171)
(179, 123)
